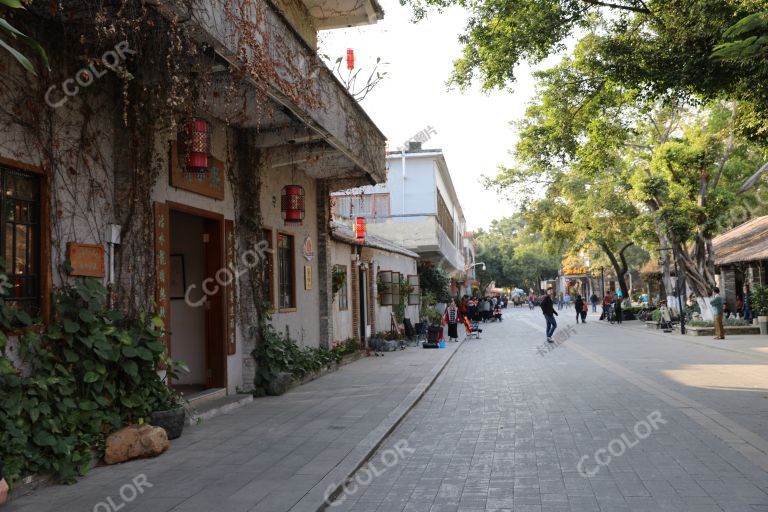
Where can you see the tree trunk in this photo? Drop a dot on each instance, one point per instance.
(619, 268)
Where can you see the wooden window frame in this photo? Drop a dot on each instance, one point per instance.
(295, 306)
(385, 292)
(396, 291)
(413, 280)
(44, 262)
(272, 284)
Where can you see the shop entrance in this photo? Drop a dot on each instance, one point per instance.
(197, 300)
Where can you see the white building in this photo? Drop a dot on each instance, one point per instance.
(417, 207)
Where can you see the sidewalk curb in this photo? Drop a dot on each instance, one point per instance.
(315, 499)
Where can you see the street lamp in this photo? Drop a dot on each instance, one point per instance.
(677, 289)
(466, 269)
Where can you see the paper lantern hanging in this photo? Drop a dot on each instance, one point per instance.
(360, 229)
(350, 59)
(292, 204)
(195, 146)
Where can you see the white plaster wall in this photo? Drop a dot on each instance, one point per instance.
(304, 323)
(406, 265)
(342, 320)
(81, 185)
(419, 197)
(419, 234)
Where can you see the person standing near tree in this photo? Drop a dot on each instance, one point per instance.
(548, 308)
(716, 303)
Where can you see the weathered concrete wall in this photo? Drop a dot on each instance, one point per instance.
(418, 234)
(299, 17)
(303, 323)
(332, 110)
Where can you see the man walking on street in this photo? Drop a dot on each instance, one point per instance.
(716, 302)
(547, 307)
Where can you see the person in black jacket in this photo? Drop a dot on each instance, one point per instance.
(547, 307)
(3, 485)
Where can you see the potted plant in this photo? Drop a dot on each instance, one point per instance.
(338, 280)
(168, 405)
(759, 300)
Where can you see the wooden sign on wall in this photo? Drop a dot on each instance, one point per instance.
(86, 259)
(231, 287)
(163, 267)
(210, 185)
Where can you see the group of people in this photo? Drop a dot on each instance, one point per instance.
(472, 309)
(547, 305)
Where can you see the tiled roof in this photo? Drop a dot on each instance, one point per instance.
(344, 233)
(748, 242)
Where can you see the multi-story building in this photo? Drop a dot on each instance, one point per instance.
(105, 182)
(417, 207)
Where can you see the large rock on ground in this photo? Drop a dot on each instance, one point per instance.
(135, 442)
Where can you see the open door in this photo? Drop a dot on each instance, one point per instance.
(216, 349)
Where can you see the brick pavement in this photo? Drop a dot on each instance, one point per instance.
(505, 428)
(273, 455)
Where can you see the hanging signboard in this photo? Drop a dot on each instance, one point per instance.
(210, 184)
(86, 259)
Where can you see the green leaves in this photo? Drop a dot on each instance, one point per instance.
(16, 34)
(87, 375)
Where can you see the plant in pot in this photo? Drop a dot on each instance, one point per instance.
(759, 301)
(167, 404)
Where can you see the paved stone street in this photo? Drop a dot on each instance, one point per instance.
(505, 426)
(610, 418)
(275, 454)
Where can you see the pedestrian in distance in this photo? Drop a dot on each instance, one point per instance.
(567, 301)
(548, 308)
(607, 301)
(617, 309)
(594, 299)
(581, 309)
(451, 317)
(716, 303)
(560, 302)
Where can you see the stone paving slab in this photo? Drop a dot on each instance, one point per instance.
(505, 428)
(271, 455)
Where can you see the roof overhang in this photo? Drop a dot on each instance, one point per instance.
(330, 14)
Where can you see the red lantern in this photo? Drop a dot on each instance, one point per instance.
(195, 145)
(350, 59)
(360, 229)
(292, 204)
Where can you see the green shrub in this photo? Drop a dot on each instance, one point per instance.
(732, 322)
(88, 373)
(277, 353)
(759, 300)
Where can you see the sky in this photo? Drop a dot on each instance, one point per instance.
(473, 128)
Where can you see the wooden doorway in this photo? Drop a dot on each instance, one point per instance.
(198, 319)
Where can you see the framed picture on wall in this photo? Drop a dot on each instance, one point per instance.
(178, 277)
